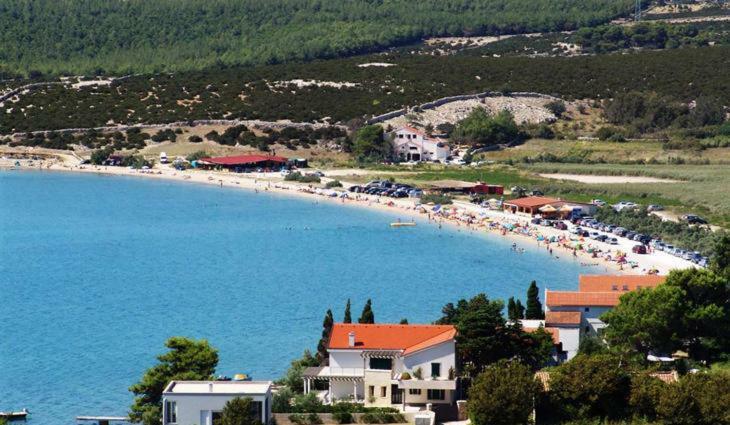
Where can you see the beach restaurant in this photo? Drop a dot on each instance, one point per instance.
(547, 207)
(243, 163)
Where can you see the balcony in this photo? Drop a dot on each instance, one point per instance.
(324, 372)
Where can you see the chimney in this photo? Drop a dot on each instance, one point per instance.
(210, 387)
(351, 339)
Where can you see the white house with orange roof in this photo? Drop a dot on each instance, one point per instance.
(572, 315)
(412, 144)
(388, 365)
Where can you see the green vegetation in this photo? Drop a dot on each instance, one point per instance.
(503, 395)
(534, 306)
(237, 411)
(187, 360)
(120, 37)
(689, 312)
(333, 183)
(695, 238)
(367, 316)
(480, 129)
(484, 336)
(246, 93)
(327, 324)
(371, 145)
(296, 176)
(434, 198)
(607, 38)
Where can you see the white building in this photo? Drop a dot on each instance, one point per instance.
(388, 365)
(572, 315)
(201, 402)
(410, 144)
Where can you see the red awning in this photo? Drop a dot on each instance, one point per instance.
(244, 159)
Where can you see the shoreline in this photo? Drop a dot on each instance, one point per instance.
(477, 220)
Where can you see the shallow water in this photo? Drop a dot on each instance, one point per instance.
(97, 271)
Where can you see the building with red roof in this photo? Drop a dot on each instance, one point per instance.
(388, 364)
(577, 314)
(618, 283)
(412, 144)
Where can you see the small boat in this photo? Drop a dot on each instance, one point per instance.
(406, 224)
(14, 415)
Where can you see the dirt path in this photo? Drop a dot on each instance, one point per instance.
(590, 179)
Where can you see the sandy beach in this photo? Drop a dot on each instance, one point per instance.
(461, 216)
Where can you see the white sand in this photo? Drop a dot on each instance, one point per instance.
(273, 183)
(591, 179)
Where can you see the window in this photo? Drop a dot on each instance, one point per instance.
(414, 391)
(588, 309)
(371, 391)
(588, 329)
(383, 391)
(614, 287)
(217, 418)
(381, 364)
(437, 394)
(257, 410)
(171, 412)
(435, 370)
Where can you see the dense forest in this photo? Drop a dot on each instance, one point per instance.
(132, 36)
(262, 92)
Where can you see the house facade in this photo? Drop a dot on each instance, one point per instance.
(388, 365)
(201, 402)
(572, 315)
(411, 144)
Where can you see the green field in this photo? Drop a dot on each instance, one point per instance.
(702, 188)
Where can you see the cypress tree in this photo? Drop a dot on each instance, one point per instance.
(511, 309)
(519, 309)
(404, 321)
(348, 317)
(327, 324)
(367, 315)
(534, 307)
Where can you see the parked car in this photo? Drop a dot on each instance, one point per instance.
(594, 235)
(612, 241)
(601, 238)
(560, 225)
(598, 202)
(694, 219)
(654, 207)
(624, 205)
(630, 235)
(639, 249)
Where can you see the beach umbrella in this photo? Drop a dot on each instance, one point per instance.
(566, 208)
(436, 208)
(547, 208)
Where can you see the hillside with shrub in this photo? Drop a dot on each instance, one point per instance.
(132, 36)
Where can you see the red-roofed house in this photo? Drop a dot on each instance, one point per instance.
(620, 283)
(412, 144)
(379, 364)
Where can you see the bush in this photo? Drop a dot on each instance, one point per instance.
(436, 199)
(557, 107)
(298, 177)
(700, 398)
(343, 417)
(382, 416)
(503, 395)
(405, 376)
(195, 139)
(333, 183)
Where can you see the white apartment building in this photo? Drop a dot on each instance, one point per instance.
(411, 144)
(201, 402)
(388, 365)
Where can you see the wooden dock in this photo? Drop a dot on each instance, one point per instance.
(103, 420)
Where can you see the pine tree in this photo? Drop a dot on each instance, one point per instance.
(348, 317)
(519, 309)
(327, 324)
(367, 315)
(511, 309)
(534, 307)
(404, 321)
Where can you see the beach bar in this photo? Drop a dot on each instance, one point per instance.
(243, 163)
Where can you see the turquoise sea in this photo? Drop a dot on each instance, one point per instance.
(97, 271)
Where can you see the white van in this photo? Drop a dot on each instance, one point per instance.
(163, 158)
